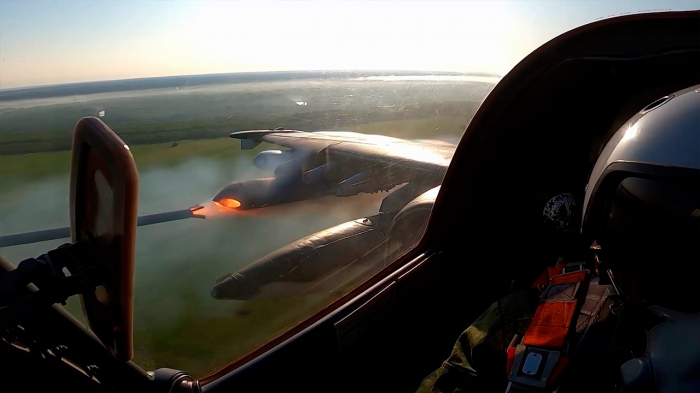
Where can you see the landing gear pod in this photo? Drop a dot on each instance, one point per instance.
(103, 200)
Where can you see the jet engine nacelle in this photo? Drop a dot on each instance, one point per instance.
(249, 194)
(304, 260)
(271, 159)
(257, 193)
(409, 224)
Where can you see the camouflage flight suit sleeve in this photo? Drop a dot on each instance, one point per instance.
(478, 359)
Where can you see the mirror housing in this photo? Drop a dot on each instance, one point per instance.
(103, 201)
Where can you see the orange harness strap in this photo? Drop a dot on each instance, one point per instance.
(558, 303)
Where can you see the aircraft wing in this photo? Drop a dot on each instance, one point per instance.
(379, 149)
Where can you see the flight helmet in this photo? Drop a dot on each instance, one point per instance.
(642, 201)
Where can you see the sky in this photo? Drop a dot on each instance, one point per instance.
(45, 42)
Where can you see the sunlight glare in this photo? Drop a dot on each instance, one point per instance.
(451, 36)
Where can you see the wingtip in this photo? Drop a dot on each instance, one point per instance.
(258, 133)
(252, 138)
(249, 139)
(246, 134)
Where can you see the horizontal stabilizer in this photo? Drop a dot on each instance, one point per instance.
(252, 138)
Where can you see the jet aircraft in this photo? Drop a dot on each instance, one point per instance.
(343, 164)
(314, 165)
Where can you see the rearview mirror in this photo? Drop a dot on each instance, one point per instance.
(103, 200)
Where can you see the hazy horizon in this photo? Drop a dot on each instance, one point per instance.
(45, 42)
(412, 72)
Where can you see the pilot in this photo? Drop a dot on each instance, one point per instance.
(627, 316)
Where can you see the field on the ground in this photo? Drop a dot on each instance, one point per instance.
(147, 117)
(177, 324)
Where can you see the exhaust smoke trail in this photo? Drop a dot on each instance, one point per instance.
(178, 262)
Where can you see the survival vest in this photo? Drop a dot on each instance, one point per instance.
(569, 305)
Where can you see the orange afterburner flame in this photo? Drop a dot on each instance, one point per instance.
(228, 202)
(224, 207)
